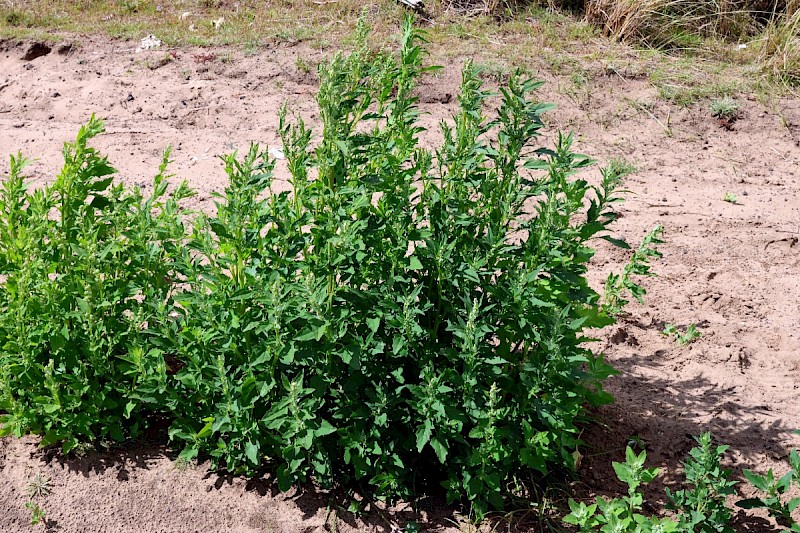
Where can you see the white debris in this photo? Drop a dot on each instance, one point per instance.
(217, 23)
(192, 28)
(742, 46)
(149, 43)
(277, 153)
(185, 15)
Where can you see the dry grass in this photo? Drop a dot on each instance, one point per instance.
(668, 22)
(192, 22)
(547, 34)
(779, 47)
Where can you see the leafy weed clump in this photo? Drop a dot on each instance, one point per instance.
(88, 267)
(404, 318)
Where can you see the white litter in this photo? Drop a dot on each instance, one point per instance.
(217, 23)
(185, 15)
(742, 46)
(277, 153)
(148, 43)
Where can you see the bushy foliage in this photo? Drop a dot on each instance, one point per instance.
(85, 266)
(402, 318)
(401, 311)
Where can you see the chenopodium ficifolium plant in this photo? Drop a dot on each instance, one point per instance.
(774, 491)
(85, 265)
(617, 285)
(700, 505)
(404, 317)
(622, 515)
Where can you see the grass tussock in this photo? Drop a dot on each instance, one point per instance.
(779, 48)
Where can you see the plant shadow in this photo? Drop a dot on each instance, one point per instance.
(661, 413)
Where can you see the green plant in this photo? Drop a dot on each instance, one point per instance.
(774, 490)
(779, 48)
(130, 6)
(302, 65)
(682, 338)
(730, 198)
(621, 167)
(725, 108)
(617, 285)
(38, 487)
(87, 267)
(365, 323)
(38, 514)
(403, 319)
(622, 515)
(701, 508)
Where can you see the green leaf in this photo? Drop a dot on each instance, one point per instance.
(414, 263)
(206, 430)
(101, 185)
(128, 408)
(619, 243)
(757, 481)
(325, 428)
(342, 145)
(439, 448)
(251, 451)
(373, 324)
(51, 437)
(424, 433)
(793, 504)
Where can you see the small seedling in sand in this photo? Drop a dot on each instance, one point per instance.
(683, 339)
(730, 198)
(38, 487)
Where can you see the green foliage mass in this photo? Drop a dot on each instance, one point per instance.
(402, 318)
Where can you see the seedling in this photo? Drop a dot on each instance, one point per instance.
(701, 503)
(730, 198)
(682, 338)
(37, 513)
(617, 285)
(622, 515)
(302, 65)
(621, 167)
(38, 487)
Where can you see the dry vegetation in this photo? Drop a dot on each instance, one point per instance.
(761, 34)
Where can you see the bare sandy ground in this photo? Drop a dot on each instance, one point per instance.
(732, 269)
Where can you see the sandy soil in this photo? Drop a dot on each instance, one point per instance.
(732, 269)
